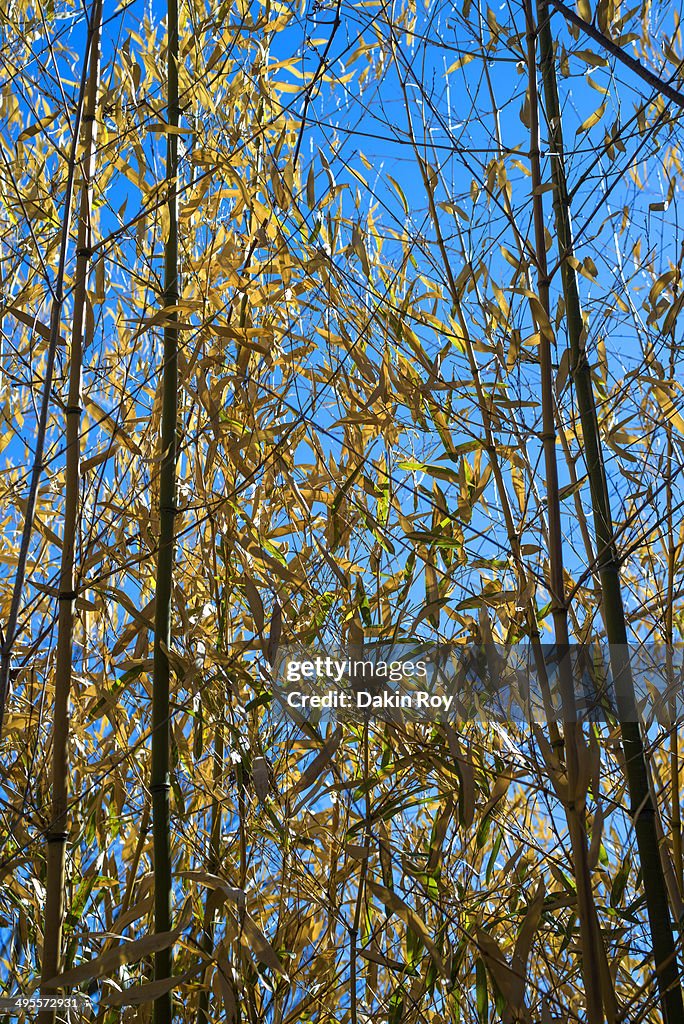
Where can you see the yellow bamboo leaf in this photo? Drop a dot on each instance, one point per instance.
(124, 953)
(662, 396)
(394, 903)
(592, 119)
(460, 63)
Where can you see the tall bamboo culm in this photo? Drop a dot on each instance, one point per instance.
(642, 807)
(161, 726)
(676, 816)
(58, 296)
(593, 953)
(58, 832)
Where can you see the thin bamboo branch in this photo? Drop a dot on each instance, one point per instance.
(575, 807)
(214, 858)
(132, 872)
(655, 81)
(213, 863)
(58, 296)
(676, 814)
(490, 447)
(58, 833)
(665, 856)
(143, 826)
(161, 724)
(360, 892)
(642, 807)
(580, 513)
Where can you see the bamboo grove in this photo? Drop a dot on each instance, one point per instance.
(323, 323)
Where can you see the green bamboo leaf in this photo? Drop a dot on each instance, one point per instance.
(481, 992)
(620, 882)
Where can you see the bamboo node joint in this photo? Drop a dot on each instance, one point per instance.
(641, 811)
(57, 837)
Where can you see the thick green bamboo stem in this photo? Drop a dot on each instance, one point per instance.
(161, 725)
(58, 831)
(642, 807)
(575, 810)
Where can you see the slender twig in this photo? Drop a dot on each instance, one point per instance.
(320, 71)
(669, 641)
(57, 834)
(213, 859)
(655, 81)
(57, 290)
(485, 409)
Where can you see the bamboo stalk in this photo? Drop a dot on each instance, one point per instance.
(575, 806)
(161, 726)
(214, 858)
(666, 858)
(660, 85)
(213, 864)
(602, 980)
(57, 291)
(57, 834)
(676, 816)
(132, 872)
(642, 806)
(143, 826)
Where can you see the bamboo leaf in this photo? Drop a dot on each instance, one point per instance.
(125, 953)
(593, 119)
(138, 994)
(395, 904)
